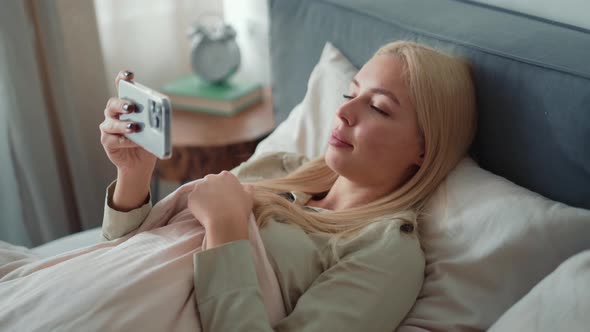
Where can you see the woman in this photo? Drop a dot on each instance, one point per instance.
(341, 229)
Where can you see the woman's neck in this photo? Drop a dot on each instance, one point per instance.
(346, 194)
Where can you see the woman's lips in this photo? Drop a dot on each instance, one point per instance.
(338, 142)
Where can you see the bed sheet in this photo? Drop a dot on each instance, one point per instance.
(67, 243)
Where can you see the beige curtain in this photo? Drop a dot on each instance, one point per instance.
(33, 190)
(53, 92)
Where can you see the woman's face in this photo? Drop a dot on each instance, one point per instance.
(376, 139)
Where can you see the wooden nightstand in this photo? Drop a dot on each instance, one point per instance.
(204, 143)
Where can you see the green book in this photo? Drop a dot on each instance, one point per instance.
(193, 94)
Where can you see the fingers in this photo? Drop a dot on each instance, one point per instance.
(125, 75)
(223, 177)
(113, 141)
(112, 126)
(117, 106)
(112, 129)
(222, 174)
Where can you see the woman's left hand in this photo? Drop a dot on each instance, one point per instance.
(222, 205)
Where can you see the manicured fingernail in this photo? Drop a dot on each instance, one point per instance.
(127, 108)
(127, 73)
(130, 126)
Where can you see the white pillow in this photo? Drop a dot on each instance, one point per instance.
(561, 302)
(307, 128)
(487, 243)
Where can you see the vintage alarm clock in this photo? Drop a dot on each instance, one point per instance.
(215, 55)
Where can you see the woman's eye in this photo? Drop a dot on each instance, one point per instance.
(380, 111)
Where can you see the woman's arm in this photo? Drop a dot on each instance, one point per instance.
(131, 191)
(125, 207)
(371, 288)
(115, 223)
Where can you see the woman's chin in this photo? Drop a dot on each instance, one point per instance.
(335, 159)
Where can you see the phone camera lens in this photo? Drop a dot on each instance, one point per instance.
(155, 113)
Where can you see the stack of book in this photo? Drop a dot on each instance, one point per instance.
(190, 93)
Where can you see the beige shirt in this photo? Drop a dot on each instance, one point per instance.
(370, 288)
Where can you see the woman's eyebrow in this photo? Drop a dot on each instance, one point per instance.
(380, 91)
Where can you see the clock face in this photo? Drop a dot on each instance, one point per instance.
(216, 60)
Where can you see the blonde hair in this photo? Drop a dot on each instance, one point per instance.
(443, 97)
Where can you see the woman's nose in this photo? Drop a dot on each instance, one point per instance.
(345, 113)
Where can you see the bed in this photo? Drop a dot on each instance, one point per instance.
(532, 78)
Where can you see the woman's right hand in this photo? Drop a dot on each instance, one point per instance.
(126, 155)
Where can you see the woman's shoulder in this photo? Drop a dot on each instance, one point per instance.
(384, 240)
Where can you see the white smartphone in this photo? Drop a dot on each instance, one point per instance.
(153, 115)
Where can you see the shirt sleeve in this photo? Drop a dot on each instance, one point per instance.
(371, 288)
(116, 224)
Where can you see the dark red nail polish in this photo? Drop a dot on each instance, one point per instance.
(127, 73)
(130, 126)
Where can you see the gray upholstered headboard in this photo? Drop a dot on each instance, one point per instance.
(532, 77)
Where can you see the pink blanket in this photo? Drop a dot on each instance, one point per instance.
(140, 282)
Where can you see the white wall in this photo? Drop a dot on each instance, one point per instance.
(149, 37)
(250, 19)
(573, 12)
